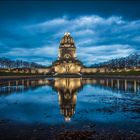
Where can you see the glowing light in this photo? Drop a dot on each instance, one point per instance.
(67, 119)
(67, 34)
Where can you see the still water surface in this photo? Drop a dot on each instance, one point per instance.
(108, 103)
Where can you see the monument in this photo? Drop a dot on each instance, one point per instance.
(67, 62)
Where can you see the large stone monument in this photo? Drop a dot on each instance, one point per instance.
(67, 63)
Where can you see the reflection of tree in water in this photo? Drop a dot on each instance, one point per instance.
(117, 85)
(19, 86)
(67, 89)
(121, 85)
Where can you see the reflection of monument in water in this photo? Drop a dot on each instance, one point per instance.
(67, 93)
(69, 85)
(67, 89)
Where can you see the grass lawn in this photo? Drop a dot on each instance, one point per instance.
(124, 73)
(16, 74)
(128, 73)
(135, 73)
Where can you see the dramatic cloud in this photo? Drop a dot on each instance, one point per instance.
(97, 38)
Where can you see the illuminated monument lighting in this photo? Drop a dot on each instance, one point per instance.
(67, 62)
(67, 94)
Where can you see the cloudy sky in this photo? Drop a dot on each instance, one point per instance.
(102, 30)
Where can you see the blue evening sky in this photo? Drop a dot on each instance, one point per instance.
(31, 30)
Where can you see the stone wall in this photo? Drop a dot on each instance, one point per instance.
(93, 70)
(64, 68)
(44, 70)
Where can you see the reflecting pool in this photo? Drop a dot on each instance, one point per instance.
(70, 103)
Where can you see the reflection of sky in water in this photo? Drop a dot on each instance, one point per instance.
(30, 106)
(103, 105)
(94, 104)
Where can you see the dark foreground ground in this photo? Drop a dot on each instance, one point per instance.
(64, 132)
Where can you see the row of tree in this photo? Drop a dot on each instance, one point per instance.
(132, 60)
(6, 63)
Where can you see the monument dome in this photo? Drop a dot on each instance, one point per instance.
(67, 41)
